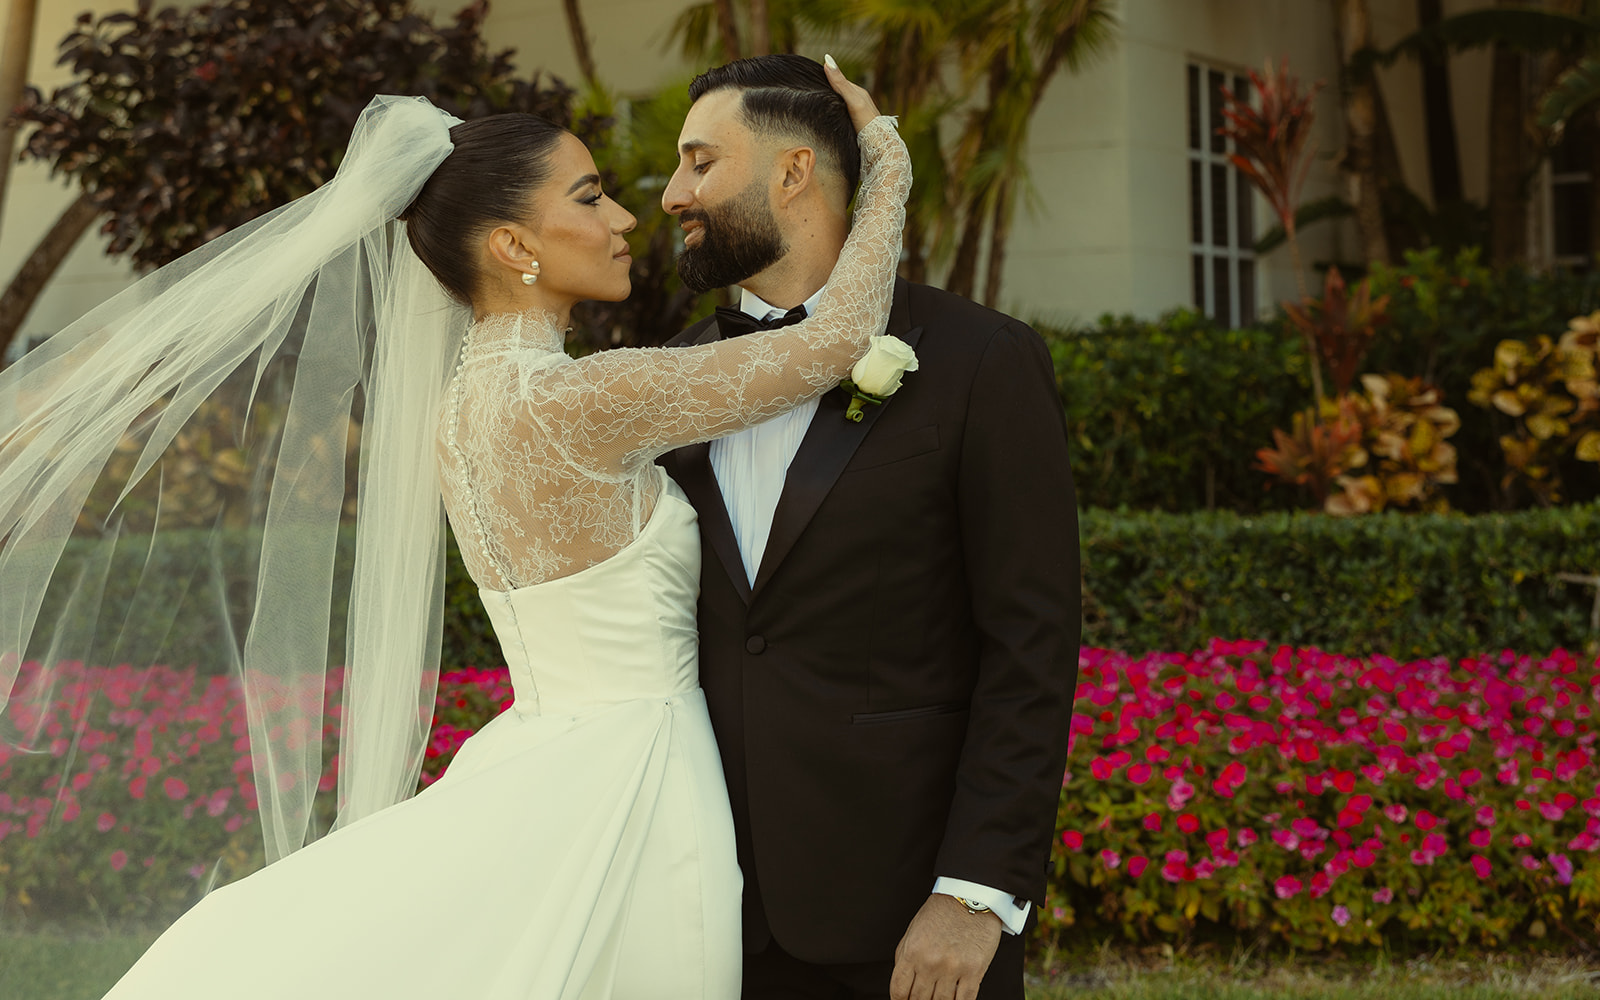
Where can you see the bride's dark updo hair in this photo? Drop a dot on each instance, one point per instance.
(486, 180)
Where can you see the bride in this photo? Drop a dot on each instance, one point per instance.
(580, 845)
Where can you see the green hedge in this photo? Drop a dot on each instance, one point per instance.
(1168, 414)
(1400, 584)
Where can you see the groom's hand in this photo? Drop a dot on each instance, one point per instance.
(944, 953)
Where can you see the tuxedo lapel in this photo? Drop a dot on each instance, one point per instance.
(824, 452)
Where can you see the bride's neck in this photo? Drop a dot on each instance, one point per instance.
(502, 299)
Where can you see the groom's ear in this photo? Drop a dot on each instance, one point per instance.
(799, 166)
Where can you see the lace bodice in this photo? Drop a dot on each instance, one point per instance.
(546, 461)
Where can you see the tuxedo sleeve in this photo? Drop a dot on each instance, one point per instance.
(1019, 530)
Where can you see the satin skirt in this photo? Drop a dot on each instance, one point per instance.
(558, 858)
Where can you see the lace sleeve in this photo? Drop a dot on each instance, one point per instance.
(618, 410)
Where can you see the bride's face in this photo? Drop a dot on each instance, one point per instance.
(577, 233)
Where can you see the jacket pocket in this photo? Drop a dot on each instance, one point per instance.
(904, 714)
(895, 449)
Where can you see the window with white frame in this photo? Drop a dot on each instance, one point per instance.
(1571, 195)
(1222, 228)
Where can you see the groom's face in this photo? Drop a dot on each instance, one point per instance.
(722, 196)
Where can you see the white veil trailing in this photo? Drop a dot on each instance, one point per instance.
(331, 280)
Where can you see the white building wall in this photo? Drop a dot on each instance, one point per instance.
(1110, 232)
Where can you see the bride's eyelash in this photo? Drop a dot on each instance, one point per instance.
(595, 200)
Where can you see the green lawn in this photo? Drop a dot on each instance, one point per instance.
(61, 967)
(1112, 976)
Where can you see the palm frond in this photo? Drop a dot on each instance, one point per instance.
(1527, 29)
(1331, 207)
(1574, 90)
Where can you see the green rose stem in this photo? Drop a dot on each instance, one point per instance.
(858, 399)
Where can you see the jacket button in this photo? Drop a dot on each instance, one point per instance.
(755, 645)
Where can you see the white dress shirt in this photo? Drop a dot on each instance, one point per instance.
(750, 467)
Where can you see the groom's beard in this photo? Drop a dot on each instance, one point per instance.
(741, 239)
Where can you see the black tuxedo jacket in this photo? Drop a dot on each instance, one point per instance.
(892, 697)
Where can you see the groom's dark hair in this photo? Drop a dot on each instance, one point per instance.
(790, 95)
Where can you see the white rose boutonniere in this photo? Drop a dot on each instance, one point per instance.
(877, 375)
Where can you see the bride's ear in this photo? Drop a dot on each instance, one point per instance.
(511, 247)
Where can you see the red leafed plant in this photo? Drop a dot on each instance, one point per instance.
(1317, 452)
(1341, 326)
(1272, 147)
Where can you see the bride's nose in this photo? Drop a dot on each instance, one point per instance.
(627, 222)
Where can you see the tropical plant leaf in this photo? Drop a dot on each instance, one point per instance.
(1526, 29)
(1575, 90)
(1332, 207)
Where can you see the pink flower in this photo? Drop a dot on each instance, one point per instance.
(1287, 886)
(1563, 868)
(1551, 811)
(1384, 895)
(175, 788)
(1247, 837)
(1396, 812)
(1426, 820)
(1485, 816)
(1073, 839)
(1481, 866)
(1111, 859)
(1137, 864)
(119, 860)
(1341, 915)
(1480, 838)
(1531, 863)
(1138, 774)
(1152, 822)
(1188, 822)
(105, 822)
(1421, 858)
(1521, 840)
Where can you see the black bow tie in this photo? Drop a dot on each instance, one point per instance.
(734, 323)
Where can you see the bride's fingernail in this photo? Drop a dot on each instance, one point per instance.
(828, 61)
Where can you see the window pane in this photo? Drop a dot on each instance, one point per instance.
(1219, 205)
(1197, 203)
(1571, 213)
(1221, 297)
(1215, 82)
(1245, 207)
(1198, 265)
(1574, 154)
(1247, 292)
(1194, 107)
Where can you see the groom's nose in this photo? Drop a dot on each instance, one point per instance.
(679, 194)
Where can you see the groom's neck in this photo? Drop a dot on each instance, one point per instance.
(801, 272)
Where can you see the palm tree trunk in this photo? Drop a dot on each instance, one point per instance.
(964, 272)
(999, 234)
(1360, 165)
(760, 29)
(1508, 203)
(728, 29)
(14, 56)
(35, 272)
(580, 42)
(1444, 160)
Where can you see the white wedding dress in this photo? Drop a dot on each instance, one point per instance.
(580, 845)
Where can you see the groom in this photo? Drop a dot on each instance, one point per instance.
(889, 609)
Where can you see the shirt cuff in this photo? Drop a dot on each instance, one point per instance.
(1003, 904)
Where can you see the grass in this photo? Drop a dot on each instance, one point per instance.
(61, 966)
(44, 966)
(1163, 975)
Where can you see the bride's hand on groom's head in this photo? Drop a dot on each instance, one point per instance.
(856, 98)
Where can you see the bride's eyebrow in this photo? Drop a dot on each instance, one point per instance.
(584, 180)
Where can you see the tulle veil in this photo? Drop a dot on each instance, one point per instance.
(287, 326)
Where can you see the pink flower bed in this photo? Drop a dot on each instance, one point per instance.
(1287, 793)
(1324, 798)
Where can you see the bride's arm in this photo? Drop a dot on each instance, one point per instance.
(627, 406)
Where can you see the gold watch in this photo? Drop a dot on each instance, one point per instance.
(976, 909)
